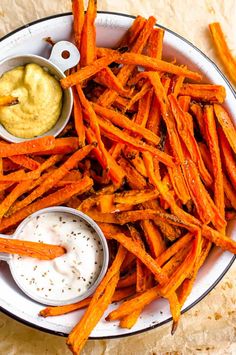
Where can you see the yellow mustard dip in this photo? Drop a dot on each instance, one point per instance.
(40, 101)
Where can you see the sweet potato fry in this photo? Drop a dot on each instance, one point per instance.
(27, 147)
(130, 320)
(55, 176)
(25, 161)
(135, 180)
(8, 101)
(106, 78)
(62, 146)
(184, 269)
(78, 14)
(19, 190)
(145, 88)
(109, 96)
(153, 238)
(131, 35)
(142, 255)
(144, 109)
(56, 198)
(40, 251)
(204, 92)
(173, 249)
(154, 119)
(223, 49)
(198, 113)
(137, 302)
(100, 301)
(117, 135)
(88, 71)
(88, 35)
(127, 281)
(226, 124)
(81, 331)
(155, 43)
(184, 102)
(213, 145)
(135, 197)
(160, 65)
(78, 118)
(60, 310)
(123, 122)
(228, 157)
(188, 139)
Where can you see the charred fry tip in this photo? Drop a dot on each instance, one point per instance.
(174, 327)
(14, 102)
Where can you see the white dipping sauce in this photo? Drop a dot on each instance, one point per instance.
(69, 275)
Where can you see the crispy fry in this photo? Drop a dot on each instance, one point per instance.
(213, 145)
(60, 310)
(109, 96)
(8, 101)
(56, 198)
(137, 302)
(228, 157)
(204, 92)
(127, 281)
(100, 301)
(78, 118)
(155, 43)
(142, 255)
(62, 146)
(161, 65)
(78, 14)
(188, 139)
(223, 49)
(123, 122)
(226, 124)
(40, 251)
(117, 135)
(88, 71)
(27, 147)
(88, 35)
(173, 249)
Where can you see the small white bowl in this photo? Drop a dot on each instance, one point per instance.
(9, 258)
(56, 65)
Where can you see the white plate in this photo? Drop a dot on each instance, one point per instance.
(110, 28)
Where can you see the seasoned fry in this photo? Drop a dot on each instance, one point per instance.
(123, 122)
(223, 49)
(56, 198)
(78, 14)
(60, 310)
(204, 92)
(228, 157)
(78, 118)
(142, 255)
(226, 124)
(8, 100)
(27, 147)
(88, 35)
(213, 145)
(40, 251)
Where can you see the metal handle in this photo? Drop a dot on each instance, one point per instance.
(5, 256)
(65, 55)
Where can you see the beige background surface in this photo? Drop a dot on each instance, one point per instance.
(210, 327)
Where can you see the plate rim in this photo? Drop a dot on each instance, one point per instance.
(62, 334)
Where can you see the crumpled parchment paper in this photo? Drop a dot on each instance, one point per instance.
(210, 327)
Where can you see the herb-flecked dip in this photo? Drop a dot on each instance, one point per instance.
(40, 101)
(67, 276)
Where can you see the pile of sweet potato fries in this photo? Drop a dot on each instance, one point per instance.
(149, 155)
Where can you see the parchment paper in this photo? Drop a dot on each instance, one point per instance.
(210, 327)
